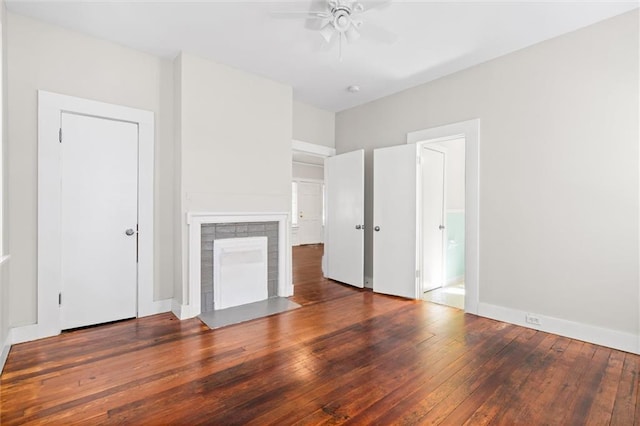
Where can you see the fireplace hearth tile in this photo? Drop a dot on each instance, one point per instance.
(248, 312)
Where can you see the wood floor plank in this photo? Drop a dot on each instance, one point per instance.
(433, 348)
(147, 380)
(605, 397)
(438, 405)
(536, 391)
(514, 389)
(347, 356)
(566, 394)
(429, 379)
(341, 399)
(627, 393)
(577, 412)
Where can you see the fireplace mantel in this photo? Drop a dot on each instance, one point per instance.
(195, 220)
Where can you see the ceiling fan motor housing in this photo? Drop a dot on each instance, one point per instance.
(341, 13)
(341, 18)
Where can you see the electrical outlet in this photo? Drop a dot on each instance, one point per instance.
(532, 319)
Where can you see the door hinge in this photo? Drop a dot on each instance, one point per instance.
(417, 273)
(60, 135)
(59, 299)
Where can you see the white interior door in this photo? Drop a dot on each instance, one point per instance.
(433, 218)
(394, 220)
(309, 212)
(344, 218)
(99, 217)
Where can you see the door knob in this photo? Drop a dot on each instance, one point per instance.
(377, 228)
(358, 226)
(129, 232)
(361, 226)
(441, 227)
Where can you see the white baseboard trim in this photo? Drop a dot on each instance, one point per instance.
(27, 333)
(455, 280)
(288, 292)
(368, 282)
(623, 341)
(471, 306)
(183, 312)
(157, 307)
(176, 308)
(6, 347)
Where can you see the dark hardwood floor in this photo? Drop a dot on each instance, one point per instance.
(347, 356)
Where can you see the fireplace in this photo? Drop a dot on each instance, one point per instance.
(205, 227)
(223, 235)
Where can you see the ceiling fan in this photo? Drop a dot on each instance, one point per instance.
(340, 19)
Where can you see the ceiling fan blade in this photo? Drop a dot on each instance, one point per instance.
(316, 23)
(375, 4)
(301, 14)
(315, 20)
(356, 7)
(377, 33)
(352, 34)
(327, 32)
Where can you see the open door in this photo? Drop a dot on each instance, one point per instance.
(395, 213)
(344, 218)
(433, 218)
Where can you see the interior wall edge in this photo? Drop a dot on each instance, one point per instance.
(6, 347)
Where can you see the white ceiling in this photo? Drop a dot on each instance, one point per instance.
(433, 38)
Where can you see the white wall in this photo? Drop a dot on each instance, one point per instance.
(313, 125)
(558, 169)
(179, 240)
(4, 267)
(306, 171)
(235, 136)
(42, 56)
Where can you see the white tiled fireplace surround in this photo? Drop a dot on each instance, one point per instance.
(195, 220)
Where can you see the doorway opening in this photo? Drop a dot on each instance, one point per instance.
(307, 216)
(442, 242)
(307, 192)
(470, 131)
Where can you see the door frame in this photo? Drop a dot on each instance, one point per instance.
(50, 107)
(420, 222)
(470, 131)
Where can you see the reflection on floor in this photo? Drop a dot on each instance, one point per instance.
(452, 295)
